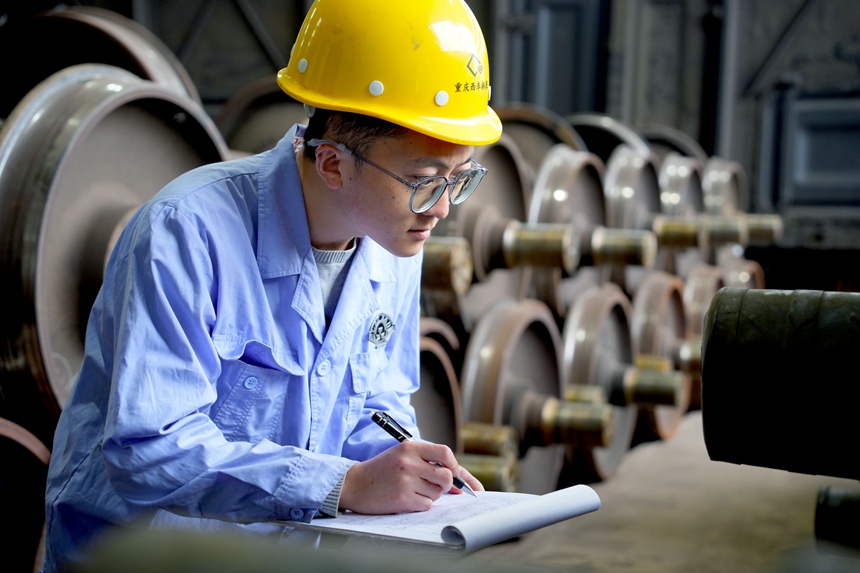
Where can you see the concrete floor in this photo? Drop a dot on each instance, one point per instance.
(671, 509)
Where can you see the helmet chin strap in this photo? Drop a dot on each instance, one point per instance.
(309, 110)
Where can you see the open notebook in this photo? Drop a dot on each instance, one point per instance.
(464, 523)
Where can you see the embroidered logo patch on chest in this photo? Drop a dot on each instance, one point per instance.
(380, 330)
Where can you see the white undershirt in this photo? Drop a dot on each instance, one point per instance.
(332, 267)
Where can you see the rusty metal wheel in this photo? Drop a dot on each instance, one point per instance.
(23, 475)
(536, 130)
(446, 275)
(437, 402)
(256, 117)
(681, 197)
(603, 133)
(500, 197)
(700, 288)
(568, 190)
(83, 35)
(631, 182)
(664, 139)
(597, 347)
(724, 187)
(659, 328)
(680, 180)
(738, 270)
(512, 356)
(80, 151)
(12, 431)
(632, 190)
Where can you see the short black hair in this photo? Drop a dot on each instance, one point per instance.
(356, 131)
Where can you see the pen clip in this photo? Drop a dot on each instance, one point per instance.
(389, 423)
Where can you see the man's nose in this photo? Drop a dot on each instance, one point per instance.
(441, 207)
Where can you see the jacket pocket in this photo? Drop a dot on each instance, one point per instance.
(250, 401)
(365, 368)
(366, 372)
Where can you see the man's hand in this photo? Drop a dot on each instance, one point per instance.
(471, 480)
(402, 479)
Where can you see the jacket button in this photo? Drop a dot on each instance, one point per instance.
(296, 514)
(324, 367)
(251, 383)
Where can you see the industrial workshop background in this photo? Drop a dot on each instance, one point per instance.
(655, 151)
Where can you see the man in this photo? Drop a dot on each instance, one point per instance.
(256, 312)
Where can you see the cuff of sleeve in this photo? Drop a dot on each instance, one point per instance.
(332, 500)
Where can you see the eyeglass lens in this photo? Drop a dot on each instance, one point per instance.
(432, 189)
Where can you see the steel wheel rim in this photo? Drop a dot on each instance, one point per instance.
(536, 130)
(664, 140)
(91, 35)
(74, 114)
(568, 190)
(501, 194)
(599, 321)
(659, 327)
(437, 401)
(724, 187)
(256, 117)
(515, 342)
(602, 134)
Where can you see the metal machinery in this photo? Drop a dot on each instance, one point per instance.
(22, 494)
(790, 352)
(66, 189)
(564, 305)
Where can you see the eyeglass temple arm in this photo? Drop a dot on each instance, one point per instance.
(317, 142)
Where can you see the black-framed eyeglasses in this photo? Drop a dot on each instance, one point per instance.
(427, 190)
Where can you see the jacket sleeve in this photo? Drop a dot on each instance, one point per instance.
(160, 447)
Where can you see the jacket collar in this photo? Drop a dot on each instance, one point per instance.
(283, 241)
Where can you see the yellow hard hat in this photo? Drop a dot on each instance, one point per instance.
(421, 64)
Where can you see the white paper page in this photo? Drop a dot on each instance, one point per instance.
(425, 526)
(469, 523)
(486, 529)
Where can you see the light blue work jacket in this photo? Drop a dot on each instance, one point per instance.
(210, 390)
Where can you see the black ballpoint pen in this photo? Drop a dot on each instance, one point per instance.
(390, 425)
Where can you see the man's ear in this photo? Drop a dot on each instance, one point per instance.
(328, 166)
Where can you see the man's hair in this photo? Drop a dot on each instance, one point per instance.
(356, 131)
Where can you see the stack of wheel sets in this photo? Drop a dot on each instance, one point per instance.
(563, 304)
